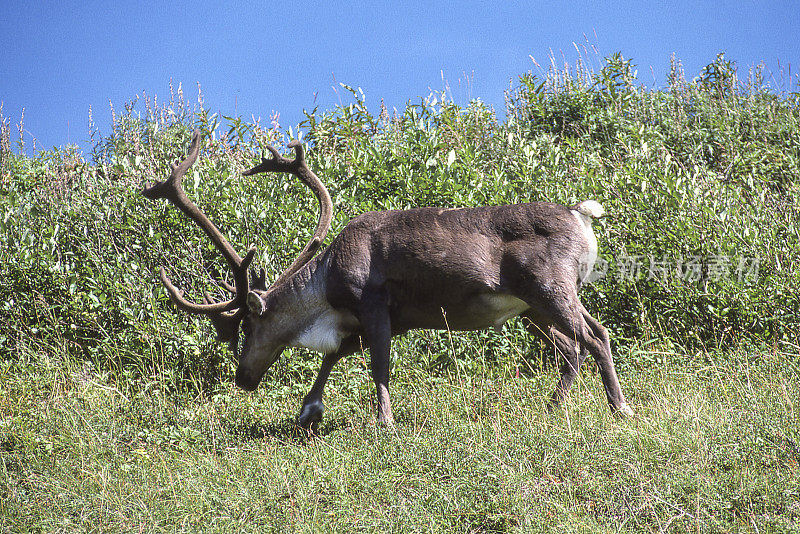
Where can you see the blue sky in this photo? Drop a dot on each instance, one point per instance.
(59, 58)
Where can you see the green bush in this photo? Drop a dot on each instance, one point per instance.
(700, 177)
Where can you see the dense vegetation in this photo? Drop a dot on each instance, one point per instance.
(116, 409)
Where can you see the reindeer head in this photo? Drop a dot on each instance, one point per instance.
(263, 340)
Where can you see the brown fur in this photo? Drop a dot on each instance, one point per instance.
(463, 269)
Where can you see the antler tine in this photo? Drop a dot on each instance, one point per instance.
(171, 186)
(258, 280)
(176, 295)
(229, 288)
(240, 278)
(275, 153)
(172, 190)
(299, 168)
(298, 150)
(227, 326)
(210, 307)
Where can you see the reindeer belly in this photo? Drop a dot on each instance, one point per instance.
(475, 313)
(490, 310)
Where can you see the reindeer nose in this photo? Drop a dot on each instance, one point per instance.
(245, 380)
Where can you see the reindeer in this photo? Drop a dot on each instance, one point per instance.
(389, 272)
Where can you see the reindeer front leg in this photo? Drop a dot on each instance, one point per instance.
(311, 412)
(378, 333)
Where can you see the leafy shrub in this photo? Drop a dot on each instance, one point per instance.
(697, 178)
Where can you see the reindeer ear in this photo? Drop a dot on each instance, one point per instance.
(255, 303)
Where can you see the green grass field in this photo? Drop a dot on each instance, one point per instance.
(713, 448)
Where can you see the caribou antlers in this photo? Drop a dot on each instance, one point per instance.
(299, 168)
(227, 315)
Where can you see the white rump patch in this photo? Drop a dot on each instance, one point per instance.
(584, 212)
(590, 208)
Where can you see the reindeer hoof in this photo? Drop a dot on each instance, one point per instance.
(311, 414)
(553, 404)
(624, 411)
(386, 425)
(385, 422)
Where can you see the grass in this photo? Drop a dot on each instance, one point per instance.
(714, 447)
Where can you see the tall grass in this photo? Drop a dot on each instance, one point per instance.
(713, 448)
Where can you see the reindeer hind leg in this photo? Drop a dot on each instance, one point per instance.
(575, 323)
(568, 352)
